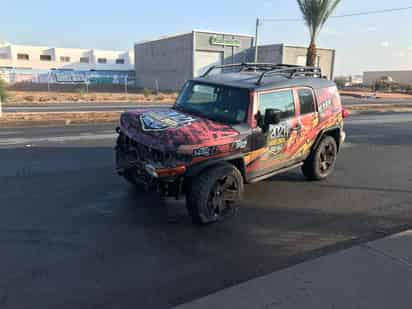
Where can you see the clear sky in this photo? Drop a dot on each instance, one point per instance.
(362, 43)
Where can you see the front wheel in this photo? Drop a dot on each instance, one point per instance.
(321, 162)
(214, 193)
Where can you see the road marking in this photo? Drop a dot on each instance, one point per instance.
(55, 139)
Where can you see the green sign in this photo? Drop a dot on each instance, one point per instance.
(214, 40)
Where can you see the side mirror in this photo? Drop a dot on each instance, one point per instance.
(272, 116)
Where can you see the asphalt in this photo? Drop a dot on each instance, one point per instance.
(74, 234)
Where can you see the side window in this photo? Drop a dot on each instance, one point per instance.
(280, 100)
(307, 106)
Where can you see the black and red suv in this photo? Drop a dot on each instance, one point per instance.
(235, 124)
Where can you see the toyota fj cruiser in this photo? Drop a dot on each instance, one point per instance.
(235, 124)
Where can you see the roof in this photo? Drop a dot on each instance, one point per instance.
(249, 80)
(171, 36)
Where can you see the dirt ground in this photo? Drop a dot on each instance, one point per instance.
(36, 97)
(378, 95)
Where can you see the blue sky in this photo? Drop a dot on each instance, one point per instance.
(362, 43)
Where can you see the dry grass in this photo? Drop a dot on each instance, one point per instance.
(379, 95)
(34, 97)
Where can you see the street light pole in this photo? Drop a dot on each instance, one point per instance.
(257, 39)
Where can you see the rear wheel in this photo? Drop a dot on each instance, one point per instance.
(321, 162)
(214, 193)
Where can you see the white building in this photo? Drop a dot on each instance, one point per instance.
(23, 62)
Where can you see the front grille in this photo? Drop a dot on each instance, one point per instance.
(140, 151)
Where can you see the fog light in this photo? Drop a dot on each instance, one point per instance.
(151, 170)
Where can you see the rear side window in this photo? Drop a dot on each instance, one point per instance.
(280, 100)
(307, 105)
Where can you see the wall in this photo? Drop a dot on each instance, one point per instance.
(74, 54)
(270, 53)
(231, 54)
(291, 55)
(168, 60)
(401, 77)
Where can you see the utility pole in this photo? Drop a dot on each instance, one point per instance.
(257, 39)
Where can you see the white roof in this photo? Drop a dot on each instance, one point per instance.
(165, 37)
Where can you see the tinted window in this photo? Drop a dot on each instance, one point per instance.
(281, 100)
(307, 105)
(220, 103)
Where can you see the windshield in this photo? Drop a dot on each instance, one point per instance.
(219, 103)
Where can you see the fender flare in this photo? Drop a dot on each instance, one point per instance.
(324, 132)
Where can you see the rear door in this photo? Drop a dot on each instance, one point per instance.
(308, 120)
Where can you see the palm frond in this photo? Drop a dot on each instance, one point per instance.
(315, 14)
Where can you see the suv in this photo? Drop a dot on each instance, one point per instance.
(235, 124)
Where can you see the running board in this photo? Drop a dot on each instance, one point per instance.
(285, 169)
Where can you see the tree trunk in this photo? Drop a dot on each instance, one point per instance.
(311, 57)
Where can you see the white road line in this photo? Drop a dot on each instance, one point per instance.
(55, 139)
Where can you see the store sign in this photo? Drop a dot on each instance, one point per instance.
(214, 40)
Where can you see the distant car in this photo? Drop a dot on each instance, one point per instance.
(235, 124)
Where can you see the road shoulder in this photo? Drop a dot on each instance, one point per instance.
(374, 275)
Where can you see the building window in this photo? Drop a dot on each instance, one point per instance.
(45, 58)
(64, 59)
(23, 57)
(84, 60)
(119, 61)
(102, 60)
(4, 56)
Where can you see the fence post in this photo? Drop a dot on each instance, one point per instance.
(157, 86)
(125, 84)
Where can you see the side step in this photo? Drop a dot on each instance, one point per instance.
(285, 169)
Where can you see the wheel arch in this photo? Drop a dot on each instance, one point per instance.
(334, 132)
(237, 161)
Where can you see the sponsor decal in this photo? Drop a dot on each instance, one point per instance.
(164, 119)
(325, 105)
(281, 130)
(205, 151)
(239, 144)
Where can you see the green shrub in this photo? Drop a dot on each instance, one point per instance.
(146, 92)
(3, 90)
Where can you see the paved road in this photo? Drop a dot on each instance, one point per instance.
(74, 235)
(91, 107)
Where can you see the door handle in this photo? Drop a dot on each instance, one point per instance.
(298, 127)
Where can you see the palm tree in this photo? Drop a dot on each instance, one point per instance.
(316, 13)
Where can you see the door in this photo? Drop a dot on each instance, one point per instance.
(278, 141)
(206, 59)
(308, 120)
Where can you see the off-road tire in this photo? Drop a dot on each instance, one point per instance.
(316, 167)
(203, 192)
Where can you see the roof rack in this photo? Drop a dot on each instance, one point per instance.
(287, 70)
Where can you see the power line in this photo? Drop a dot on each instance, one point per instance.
(343, 15)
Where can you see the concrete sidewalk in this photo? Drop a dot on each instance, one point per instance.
(370, 276)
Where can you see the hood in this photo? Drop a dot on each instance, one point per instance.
(168, 129)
